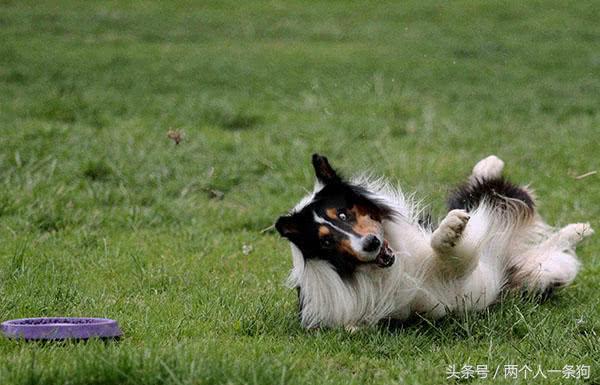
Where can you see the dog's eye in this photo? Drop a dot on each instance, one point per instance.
(342, 216)
(326, 242)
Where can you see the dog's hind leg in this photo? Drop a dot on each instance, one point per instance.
(486, 185)
(488, 168)
(550, 264)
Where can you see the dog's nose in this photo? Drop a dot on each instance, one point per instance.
(371, 243)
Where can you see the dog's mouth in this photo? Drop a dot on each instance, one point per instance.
(385, 258)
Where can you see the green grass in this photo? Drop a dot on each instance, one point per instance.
(102, 215)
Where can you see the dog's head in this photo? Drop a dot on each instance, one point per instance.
(342, 224)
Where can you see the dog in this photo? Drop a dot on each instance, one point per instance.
(364, 252)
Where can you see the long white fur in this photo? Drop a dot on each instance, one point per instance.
(536, 256)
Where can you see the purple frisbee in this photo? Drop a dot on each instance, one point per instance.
(61, 328)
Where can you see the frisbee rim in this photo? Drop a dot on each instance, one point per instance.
(62, 328)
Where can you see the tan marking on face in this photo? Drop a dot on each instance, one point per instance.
(331, 213)
(364, 223)
(346, 247)
(323, 231)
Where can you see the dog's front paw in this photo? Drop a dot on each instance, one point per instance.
(352, 328)
(447, 235)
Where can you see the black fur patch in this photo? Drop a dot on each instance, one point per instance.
(469, 195)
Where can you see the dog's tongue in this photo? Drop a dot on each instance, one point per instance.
(385, 258)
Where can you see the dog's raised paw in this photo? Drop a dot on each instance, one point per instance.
(446, 236)
(457, 219)
(488, 168)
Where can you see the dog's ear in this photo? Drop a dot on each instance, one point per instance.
(288, 226)
(325, 173)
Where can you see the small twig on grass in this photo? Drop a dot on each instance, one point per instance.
(175, 136)
(267, 229)
(586, 175)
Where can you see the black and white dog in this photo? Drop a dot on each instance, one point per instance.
(363, 253)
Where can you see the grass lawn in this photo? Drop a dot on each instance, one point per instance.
(102, 215)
